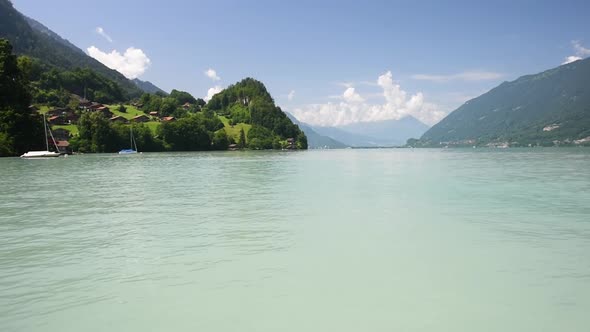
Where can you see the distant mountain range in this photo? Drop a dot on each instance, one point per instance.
(315, 140)
(32, 38)
(383, 133)
(148, 86)
(549, 108)
(387, 133)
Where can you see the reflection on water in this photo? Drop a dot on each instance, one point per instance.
(413, 240)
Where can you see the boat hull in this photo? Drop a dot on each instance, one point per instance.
(127, 152)
(40, 154)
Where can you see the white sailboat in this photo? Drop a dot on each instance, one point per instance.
(46, 153)
(132, 144)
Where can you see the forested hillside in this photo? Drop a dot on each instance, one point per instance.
(50, 51)
(249, 102)
(549, 108)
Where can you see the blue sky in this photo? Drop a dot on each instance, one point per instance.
(328, 62)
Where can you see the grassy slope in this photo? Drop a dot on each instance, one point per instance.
(234, 131)
(131, 112)
(72, 128)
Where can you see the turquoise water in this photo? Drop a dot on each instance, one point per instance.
(348, 240)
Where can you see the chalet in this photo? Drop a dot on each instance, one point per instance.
(291, 143)
(186, 106)
(57, 111)
(56, 120)
(71, 117)
(104, 110)
(119, 119)
(64, 147)
(84, 104)
(168, 119)
(141, 118)
(94, 106)
(154, 114)
(61, 134)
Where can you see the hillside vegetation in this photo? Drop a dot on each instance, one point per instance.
(51, 52)
(549, 108)
(249, 102)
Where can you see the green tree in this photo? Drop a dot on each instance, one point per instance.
(260, 138)
(220, 140)
(186, 134)
(182, 97)
(96, 134)
(121, 108)
(20, 130)
(242, 139)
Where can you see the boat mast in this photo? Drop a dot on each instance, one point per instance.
(54, 142)
(46, 138)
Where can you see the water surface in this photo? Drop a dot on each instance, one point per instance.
(348, 240)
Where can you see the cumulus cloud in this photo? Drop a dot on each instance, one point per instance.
(132, 63)
(463, 76)
(291, 95)
(350, 96)
(354, 108)
(212, 91)
(212, 74)
(571, 58)
(580, 52)
(101, 32)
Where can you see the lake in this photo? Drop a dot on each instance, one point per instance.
(340, 240)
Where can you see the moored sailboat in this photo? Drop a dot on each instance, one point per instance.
(132, 144)
(46, 153)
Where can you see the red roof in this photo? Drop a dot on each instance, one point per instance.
(53, 117)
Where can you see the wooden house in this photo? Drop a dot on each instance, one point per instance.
(56, 120)
(141, 118)
(61, 134)
(119, 119)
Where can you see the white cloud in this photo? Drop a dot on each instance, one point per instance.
(291, 95)
(101, 32)
(580, 52)
(354, 108)
(463, 76)
(132, 63)
(212, 91)
(212, 74)
(350, 96)
(571, 58)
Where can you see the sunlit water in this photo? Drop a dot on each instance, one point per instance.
(349, 240)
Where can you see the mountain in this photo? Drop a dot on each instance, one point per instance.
(147, 86)
(248, 104)
(385, 133)
(552, 107)
(350, 139)
(31, 38)
(388, 132)
(315, 140)
(36, 25)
